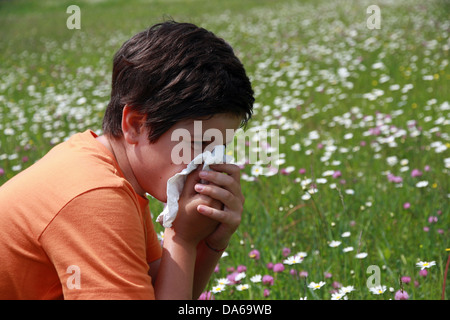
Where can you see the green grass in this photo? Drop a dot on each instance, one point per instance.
(55, 82)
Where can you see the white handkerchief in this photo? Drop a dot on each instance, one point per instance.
(176, 183)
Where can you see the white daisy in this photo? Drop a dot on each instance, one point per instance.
(217, 289)
(239, 276)
(256, 170)
(313, 285)
(335, 243)
(293, 260)
(378, 289)
(337, 296)
(242, 287)
(425, 265)
(223, 281)
(421, 184)
(347, 289)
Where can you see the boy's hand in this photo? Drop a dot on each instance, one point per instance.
(224, 186)
(190, 226)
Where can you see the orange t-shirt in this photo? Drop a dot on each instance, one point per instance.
(72, 227)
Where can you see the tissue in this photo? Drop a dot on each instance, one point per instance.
(175, 184)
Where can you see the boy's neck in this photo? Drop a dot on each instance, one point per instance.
(118, 150)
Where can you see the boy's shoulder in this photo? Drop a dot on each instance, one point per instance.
(69, 169)
(75, 167)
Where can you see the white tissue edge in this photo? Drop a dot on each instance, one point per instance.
(168, 215)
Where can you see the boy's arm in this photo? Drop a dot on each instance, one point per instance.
(175, 276)
(205, 264)
(187, 261)
(224, 186)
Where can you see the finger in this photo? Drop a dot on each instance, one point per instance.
(190, 182)
(233, 170)
(224, 196)
(222, 216)
(206, 200)
(229, 182)
(217, 178)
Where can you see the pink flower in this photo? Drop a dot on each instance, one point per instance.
(286, 252)
(254, 254)
(401, 295)
(406, 279)
(375, 131)
(266, 293)
(303, 274)
(232, 277)
(423, 273)
(432, 219)
(406, 205)
(394, 179)
(337, 174)
(269, 266)
(302, 171)
(241, 268)
(206, 296)
(266, 279)
(278, 267)
(416, 173)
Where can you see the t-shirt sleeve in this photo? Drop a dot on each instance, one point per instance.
(99, 245)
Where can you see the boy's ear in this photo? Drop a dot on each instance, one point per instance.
(132, 124)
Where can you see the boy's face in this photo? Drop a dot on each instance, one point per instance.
(153, 164)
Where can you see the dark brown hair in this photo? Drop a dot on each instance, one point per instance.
(176, 71)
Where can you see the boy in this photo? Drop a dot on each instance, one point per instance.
(76, 224)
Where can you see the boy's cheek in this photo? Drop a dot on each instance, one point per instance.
(156, 184)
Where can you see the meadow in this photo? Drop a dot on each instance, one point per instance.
(358, 207)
